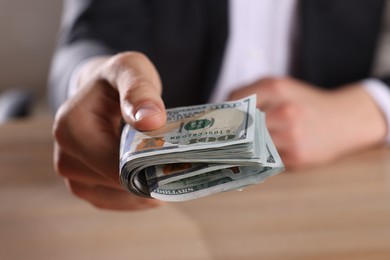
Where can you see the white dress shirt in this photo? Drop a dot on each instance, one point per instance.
(260, 37)
(259, 45)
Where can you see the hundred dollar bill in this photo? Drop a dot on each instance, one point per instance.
(200, 151)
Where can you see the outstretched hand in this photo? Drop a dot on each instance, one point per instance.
(86, 127)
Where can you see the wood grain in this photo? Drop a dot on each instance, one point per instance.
(338, 211)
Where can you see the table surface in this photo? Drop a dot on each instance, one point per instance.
(338, 211)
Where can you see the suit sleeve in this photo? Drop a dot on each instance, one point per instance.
(80, 37)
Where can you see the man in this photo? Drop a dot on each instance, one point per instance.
(309, 62)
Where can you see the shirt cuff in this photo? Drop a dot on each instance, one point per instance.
(380, 93)
(74, 77)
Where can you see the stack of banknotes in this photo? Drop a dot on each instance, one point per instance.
(201, 150)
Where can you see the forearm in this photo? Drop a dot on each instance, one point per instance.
(363, 124)
(78, 40)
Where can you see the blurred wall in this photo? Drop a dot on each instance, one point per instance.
(27, 39)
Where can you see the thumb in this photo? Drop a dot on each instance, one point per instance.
(139, 87)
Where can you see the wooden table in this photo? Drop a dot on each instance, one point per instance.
(340, 211)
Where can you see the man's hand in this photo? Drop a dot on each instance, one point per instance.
(312, 126)
(86, 127)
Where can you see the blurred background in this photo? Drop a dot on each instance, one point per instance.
(28, 35)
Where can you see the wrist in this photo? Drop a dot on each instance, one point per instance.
(380, 94)
(364, 123)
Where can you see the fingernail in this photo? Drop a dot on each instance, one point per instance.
(146, 110)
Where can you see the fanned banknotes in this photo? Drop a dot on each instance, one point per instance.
(201, 150)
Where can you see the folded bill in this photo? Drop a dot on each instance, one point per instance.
(201, 150)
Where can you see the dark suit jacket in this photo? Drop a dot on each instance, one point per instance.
(186, 40)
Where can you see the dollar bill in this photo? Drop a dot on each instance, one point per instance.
(200, 151)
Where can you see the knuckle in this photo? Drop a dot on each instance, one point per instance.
(77, 190)
(134, 75)
(126, 58)
(134, 55)
(60, 166)
(58, 130)
(58, 122)
(277, 86)
(290, 112)
(137, 84)
(138, 91)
